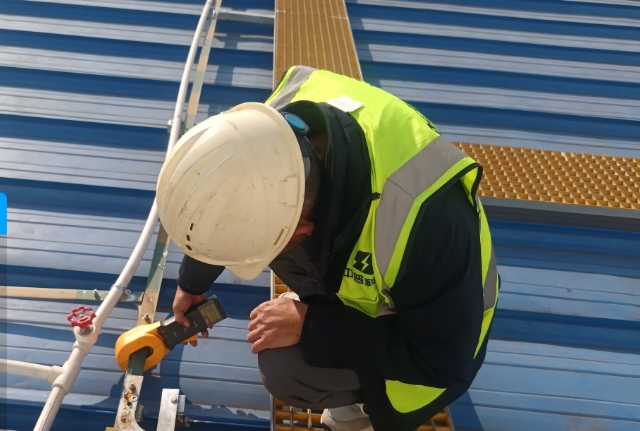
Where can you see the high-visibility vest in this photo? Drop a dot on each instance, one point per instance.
(410, 162)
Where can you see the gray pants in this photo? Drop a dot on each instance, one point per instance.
(287, 377)
(284, 371)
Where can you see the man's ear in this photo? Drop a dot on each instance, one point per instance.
(304, 227)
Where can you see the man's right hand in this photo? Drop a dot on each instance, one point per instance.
(181, 303)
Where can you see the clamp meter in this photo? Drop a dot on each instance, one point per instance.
(201, 317)
(161, 337)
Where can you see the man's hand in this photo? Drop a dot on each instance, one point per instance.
(181, 303)
(276, 323)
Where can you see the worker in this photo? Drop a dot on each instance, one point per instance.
(358, 204)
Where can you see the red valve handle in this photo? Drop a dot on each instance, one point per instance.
(81, 316)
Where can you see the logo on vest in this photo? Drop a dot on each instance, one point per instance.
(362, 263)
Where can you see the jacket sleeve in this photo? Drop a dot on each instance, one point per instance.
(431, 340)
(196, 277)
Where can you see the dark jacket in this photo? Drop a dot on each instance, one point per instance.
(432, 338)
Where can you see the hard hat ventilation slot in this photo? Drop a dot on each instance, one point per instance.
(189, 237)
(279, 236)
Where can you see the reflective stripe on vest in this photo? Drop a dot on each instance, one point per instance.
(410, 162)
(421, 173)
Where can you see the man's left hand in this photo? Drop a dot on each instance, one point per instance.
(276, 323)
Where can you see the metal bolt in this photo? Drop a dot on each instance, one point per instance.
(174, 399)
(124, 393)
(133, 398)
(132, 386)
(146, 318)
(96, 294)
(127, 292)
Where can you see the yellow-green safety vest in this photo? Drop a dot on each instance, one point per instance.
(410, 161)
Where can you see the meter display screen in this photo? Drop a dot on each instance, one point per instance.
(201, 316)
(210, 313)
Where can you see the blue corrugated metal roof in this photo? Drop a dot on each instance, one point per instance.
(86, 90)
(545, 74)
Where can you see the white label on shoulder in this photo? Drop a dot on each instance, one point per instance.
(345, 103)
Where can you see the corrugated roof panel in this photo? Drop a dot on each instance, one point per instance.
(87, 90)
(557, 75)
(216, 373)
(570, 388)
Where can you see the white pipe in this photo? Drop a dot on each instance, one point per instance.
(28, 369)
(116, 291)
(176, 124)
(84, 341)
(62, 384)
(50, 409)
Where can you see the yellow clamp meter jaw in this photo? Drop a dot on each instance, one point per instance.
(161, 337)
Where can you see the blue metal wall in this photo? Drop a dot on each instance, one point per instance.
(86, 89)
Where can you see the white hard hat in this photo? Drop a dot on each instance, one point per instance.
(231, 191)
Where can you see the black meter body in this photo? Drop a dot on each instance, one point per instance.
(201, 316)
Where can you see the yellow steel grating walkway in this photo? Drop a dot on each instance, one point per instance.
(289, 418)
(314, 33)
(557, 177)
